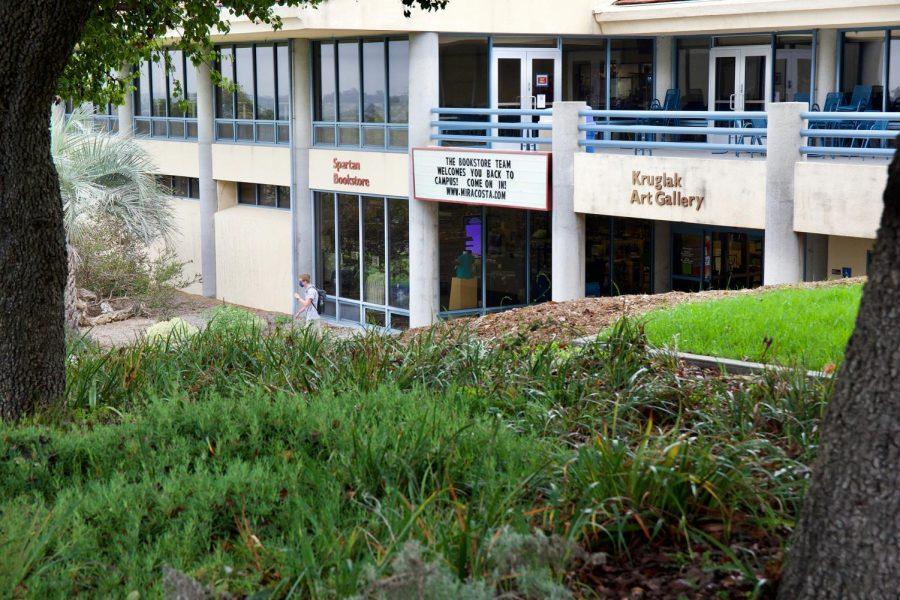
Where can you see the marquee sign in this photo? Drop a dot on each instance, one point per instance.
(483, 177)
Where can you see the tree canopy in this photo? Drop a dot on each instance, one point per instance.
(126, 32)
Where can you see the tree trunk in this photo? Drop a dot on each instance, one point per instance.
(847, 544)
(38, 37)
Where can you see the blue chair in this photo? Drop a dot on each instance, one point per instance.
(881, 125)
(753, 138)
(801, 97)
(671, 102)
(859, 101)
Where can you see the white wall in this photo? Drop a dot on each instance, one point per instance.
(172, 158)
(847, 252)
(252, 163)
(186, 241)
(840, 199)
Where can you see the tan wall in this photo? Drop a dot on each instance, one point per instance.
(386, 173)
(253, 257)
(733, 191)
(252, 163)
(843, 199)
(186, 241)
(847, 252)
(173, 158)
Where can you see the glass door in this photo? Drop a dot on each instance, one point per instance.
(739, 80)
(524, 79)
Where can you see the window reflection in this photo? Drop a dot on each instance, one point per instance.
(373, 250)
(348, 81)
(505, 267)
(793, 68)
(244, 82)
(327, 262)
(862, 68)
(265, 82)
(398, 240)
(618, 256)
(584, 72)
(348, 247)
(631, 74)
(693, 72)
(325, 96)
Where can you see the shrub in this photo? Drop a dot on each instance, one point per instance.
(227, 318)
(175, 330)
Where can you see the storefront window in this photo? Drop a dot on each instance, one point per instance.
(584, 72)
(505, 257)
(348, 246)
(374, 250)
(862, 68)
(361, 93)
(541, 247)
(326, 259)
(716, 259)
(460, 234)
(793, 68)
(631, 74)
(398, 252)
(693, 72)
(618, 256)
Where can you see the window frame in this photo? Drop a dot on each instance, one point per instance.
(282, 196)
(149, 125)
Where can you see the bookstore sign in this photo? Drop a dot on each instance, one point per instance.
(483, 177)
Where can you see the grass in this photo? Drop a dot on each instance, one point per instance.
(808, 327)
(294, 465)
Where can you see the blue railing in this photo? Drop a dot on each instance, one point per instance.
(849, 134)
(648, 130)
(489, 127)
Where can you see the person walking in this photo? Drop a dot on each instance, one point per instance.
(308, 298)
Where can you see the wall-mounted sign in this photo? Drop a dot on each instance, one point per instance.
(353, 171)
(542, 80)
(485, 177)
(666, 189)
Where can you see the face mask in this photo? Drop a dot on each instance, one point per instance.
(302, 284)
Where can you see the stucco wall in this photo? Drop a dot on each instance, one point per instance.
(847, 252)
(253, 257)
(173, 158)
(733, 192)
(252, 163)
(843, 199)
(186, 241)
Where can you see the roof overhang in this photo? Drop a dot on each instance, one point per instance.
(740, 16)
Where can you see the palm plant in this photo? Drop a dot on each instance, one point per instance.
(105, 178)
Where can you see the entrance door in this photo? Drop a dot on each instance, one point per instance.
(524, 79)
(739, 80)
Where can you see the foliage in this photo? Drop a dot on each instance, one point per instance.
(226, 317)
(175, 330)
(127, 32)
(326, 467)
(806, 326)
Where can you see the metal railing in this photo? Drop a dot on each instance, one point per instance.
(249, 131)
(176, 128)
(718, 132)
(849, 134)
(376, 136)
(490, 127)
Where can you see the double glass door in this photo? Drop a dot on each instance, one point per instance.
(524, 79)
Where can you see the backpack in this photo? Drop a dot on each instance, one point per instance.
(320, 303)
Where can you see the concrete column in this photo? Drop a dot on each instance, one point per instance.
(57, 111)
(208, 194)
(665, 49)
(783, 247)
(304, 228)
(662, 257)
(126, 109)
(826, 64)
(568, 261)
(424, 94)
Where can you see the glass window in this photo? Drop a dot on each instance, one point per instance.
(284, 82)
(693, 72)
(460, 235)
(268, 195)
(398, 252)
(265, 82)
(374, 84)
(176, 84)
(793, 68)
(632, 256)
(284, 197)
(631, 74)
(348, 79)
(244, 82)
(225, 99)
(894, 73)
(246, 193)
(541, 247)
(326, 263)
(373, 250)
(142, 93)
(862, 69)
(398, 66)
(190, 82)
(598, 277)
(464, 72)
(505, 260)
(195, 187)
(326, 95)
(584, 72)
(158, 87)
(181, 187)
(348, 232)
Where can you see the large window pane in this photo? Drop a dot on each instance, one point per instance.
(464, 72)
(327, 262)
(284, 82)
(862, 69)
(398, 65)
(348, 245)
(632, 253)
(190, 82)
(793, 68)
(693, 72)
(460, 234)
(158, 77)
(265, 82)
(505, 257)
(398, 252)
(325, 96)
(348, 81)
(374, 84)
(894, 74)
(373, 250)
(541, 245)
(246, 193)
(631, 72)
(142, 103)
(224, 98)
(244, 82)
(597, 256)
(584, 72)
(176, 84)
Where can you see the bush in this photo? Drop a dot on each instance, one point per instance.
(227, 318)
(176, 330)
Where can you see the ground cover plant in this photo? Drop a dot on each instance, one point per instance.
(297, 465)
(809, 326)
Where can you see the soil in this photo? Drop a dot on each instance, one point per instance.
(564, 322)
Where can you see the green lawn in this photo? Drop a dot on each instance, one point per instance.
(809, 327)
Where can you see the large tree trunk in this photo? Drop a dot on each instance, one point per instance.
(37, 38)
(847, 543)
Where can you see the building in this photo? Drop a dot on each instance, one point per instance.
(507, 152)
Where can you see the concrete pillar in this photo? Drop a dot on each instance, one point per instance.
(424, 94)
(568, 261)
(783, 246)
(826, 64)
(57, 111)
(208, 195)
(302, 207)
(665, 49)
(662, 257)
(126, 109)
